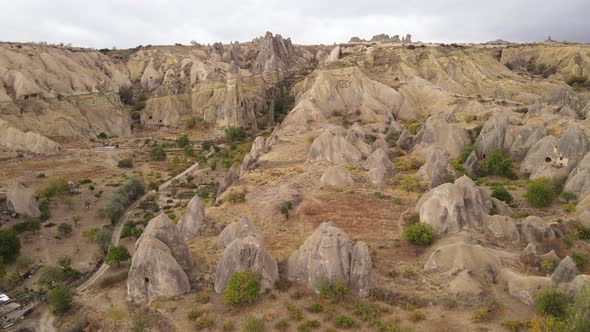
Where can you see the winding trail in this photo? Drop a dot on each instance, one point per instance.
(119, 229)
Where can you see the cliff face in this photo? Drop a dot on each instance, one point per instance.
(56, 91)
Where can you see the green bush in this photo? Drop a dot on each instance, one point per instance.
(60, 299)
(568, 196)
(29, 224)
(55, 186)
(183, 141)
(253, 324)
(577, 80)
(9, 245)
(188, 150)
(116, 255)
(191, 122)
(125, 163)
(157, 153)
(345, 322)
(579, 259)
(326, 289)
(465, 154)
(315, 308)
(204, 323)
(578, 316)
(540, 192)
(64, 228)
(498, 163)
(132, 189)
(234, 134)
(502, 194)
(242, 287)
(552, 302)
(420, 233)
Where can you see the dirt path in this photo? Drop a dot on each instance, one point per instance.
(119, 228)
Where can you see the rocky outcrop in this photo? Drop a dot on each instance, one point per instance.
(337, 176)
(155, 273)
(578, 181)
(332, 146)
(250, 159)
(526, 288)
(379, 167)
(503, 227)
(555, 158)
(330, 254)
(230, 178)
(16, 139)
(582, 213)
(437, 169)
(163, 229)
(274, 54)
(496, 134)
(22, 200)
(536, 230)
(236, 230)
(441, 130)
(471, 164)
(244, 253)
(192, 222)
(566, 271)
(453, 206)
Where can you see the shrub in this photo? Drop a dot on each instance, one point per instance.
(205, 145)
(9, 245)
(55, 186)
(102, 135)
(569, 207)
(123, 197)
(157, 153)
(420, 233)
(308, 325)
(28, 225)
(228, 325)
(253, 324)
(60, 299)
(188, 150)
(568, 196)
(125, 163)
(315, 308)
(552, 302)
(242, 287)
(345, 322)
(581, 232)
(578, 315)
(498, 163)
(286, 207)
(294, 312)
(547, 324)
(282, 325)
(502, 194)
(579, 259)
(540, 192)
(116, 255)
(204, 323)
(577, 80)
(234, 134)
(465, 154)
(182, 141)
(417, 315)
(64, 228)
(191, 122)
(326, 289)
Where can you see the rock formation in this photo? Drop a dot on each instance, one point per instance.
(329, 253)
(22, 200)
(236, 230)
(192, 222)
(337, 176)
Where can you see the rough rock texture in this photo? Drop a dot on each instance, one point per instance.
(536, 230)
(243, 253)
(496, 134)
(526, 288)
(192, 222)
(379, 167)
(163, 229)
(16, 139)
(443, 131)
(22, 200)
(578, 181)
(274, 54)
(236, 230)
(555, 158)
(582, 213)
(228, 181)
(478, 260)
(332, 146)
(503, 226)
(155, 273)
(337, 176)
(472, 165)
(250, 159)
(329, 253)
(576, 285)
(527, 136)
(437, 169)
(566, 271)
(452, 206)
(405, 141)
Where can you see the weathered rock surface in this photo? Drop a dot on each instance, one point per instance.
(250, 159)
(329, 253)
(437, 169)
(503, 226)
(379, 167)
(230, 178)
(481, 262)
(566, 271)
(578, 181)
(236, 230)
(453, 206)
(582, 213)
(155, 273)
(163, 229)
(337, 176)
(243, 253)
(22, 200)
(472, 165)
(16, 139)
(192, 222)
(526, 288)
(332, 146)
(496, 134)
(442, 130)
(536, 230)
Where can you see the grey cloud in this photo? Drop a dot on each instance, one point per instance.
(128, 23)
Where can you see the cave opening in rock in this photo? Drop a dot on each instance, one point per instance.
(547, 159)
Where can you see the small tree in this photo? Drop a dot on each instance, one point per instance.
(286, 207)
(182, 141)
(60, 299)
(125, 163)
(188, 150)
(116, 255)
(103, 239)
(65, 262)
(540, 192)
(502, 194)
(242, 287)
(9, 245)
(64, 228)
(420, 234)
(552, 302)
(157, 153)
(498, 163)
(234, 134)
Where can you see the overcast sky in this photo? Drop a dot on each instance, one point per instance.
(128, 23)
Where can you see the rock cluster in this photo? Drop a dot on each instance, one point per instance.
(330, 254)
(243, 248)
(22, 200)
(161, 263)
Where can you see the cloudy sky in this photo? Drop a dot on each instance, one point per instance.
(128, 23)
